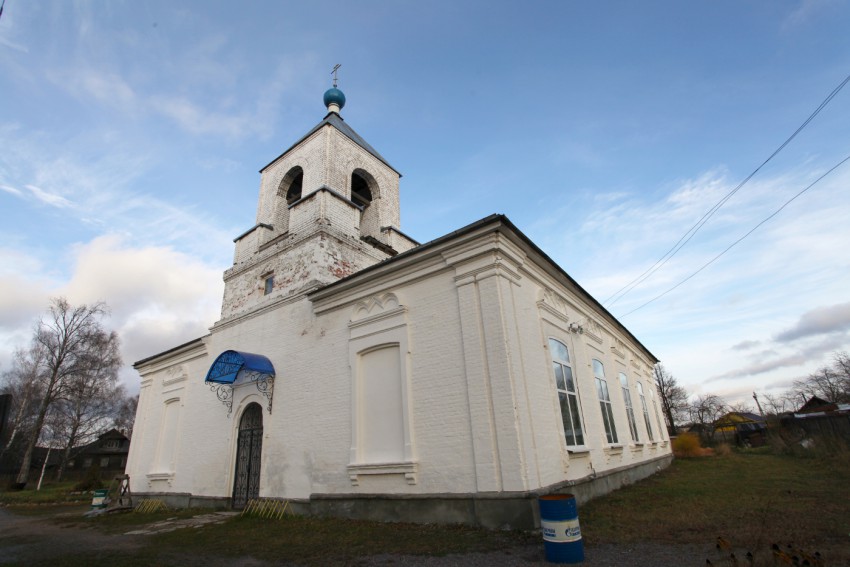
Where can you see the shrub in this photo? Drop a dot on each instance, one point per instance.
(687, 445)
(92, 480)
(723, 450)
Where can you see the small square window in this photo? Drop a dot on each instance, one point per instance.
(269, 284)
(104, 462)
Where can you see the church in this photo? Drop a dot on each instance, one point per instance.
(356, 372)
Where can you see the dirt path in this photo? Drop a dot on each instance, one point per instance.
(27, 539)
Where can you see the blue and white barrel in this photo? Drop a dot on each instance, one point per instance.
(561, 532)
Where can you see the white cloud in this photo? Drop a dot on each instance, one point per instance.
(706, 331)
(11, 190)
(199, 120)
(108, 87)
(806, 10)
(100, 191)
(49, 198)
(158, 297)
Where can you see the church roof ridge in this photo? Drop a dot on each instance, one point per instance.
(335, 120)
(501, 220)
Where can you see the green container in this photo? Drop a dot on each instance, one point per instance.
(99, 499)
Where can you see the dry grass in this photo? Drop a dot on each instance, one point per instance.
(50, 493)
(752, 499)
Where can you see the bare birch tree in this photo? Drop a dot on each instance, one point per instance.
(64, 337)
(89, 398)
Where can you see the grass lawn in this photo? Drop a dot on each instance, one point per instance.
(52, 493)
(751, 499)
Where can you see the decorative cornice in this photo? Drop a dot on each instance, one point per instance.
(377, 304)
(173, 374)
(618, 348)
(593, 330)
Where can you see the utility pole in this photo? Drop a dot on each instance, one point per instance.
(756, 398)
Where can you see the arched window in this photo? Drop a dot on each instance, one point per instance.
(630, 412)
(645, 411)
(567, 393)
(291, 184)
(361, 193)
(655, 411)
(604, 401)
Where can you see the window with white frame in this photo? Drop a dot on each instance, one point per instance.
(567, 393)
(645, 412)
(655, 411)
(604, 401)
(630, 412)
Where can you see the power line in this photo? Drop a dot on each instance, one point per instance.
(705, 218)
(707, 264)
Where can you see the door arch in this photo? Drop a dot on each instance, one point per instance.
(249, 448)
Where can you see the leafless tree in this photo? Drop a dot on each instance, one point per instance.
(125, 415)
(22, 385)
(674, 398)
(741, 407)
(830, 382)
(705, 410)
(64, 337)
(774, 404)
(89, 397)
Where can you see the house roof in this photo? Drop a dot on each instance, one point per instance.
(734, 417)
(335, 120)
(816, 404)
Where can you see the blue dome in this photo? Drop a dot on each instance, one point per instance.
(334, 95)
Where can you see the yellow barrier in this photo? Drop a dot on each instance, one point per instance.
(267, 508)
(150, 506)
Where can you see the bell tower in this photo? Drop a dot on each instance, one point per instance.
(328, 207)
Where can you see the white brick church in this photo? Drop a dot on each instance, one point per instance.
(356, 372)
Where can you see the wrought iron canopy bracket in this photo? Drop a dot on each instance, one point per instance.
(224, 392)
(233, 368)
(264, 383)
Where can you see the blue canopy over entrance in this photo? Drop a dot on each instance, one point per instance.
(233, 366)
(228, 365)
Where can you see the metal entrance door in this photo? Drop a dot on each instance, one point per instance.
(246, 483)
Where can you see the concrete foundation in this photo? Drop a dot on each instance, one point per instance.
(513, 510)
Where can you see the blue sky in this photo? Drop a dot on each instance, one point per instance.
(131, 134)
